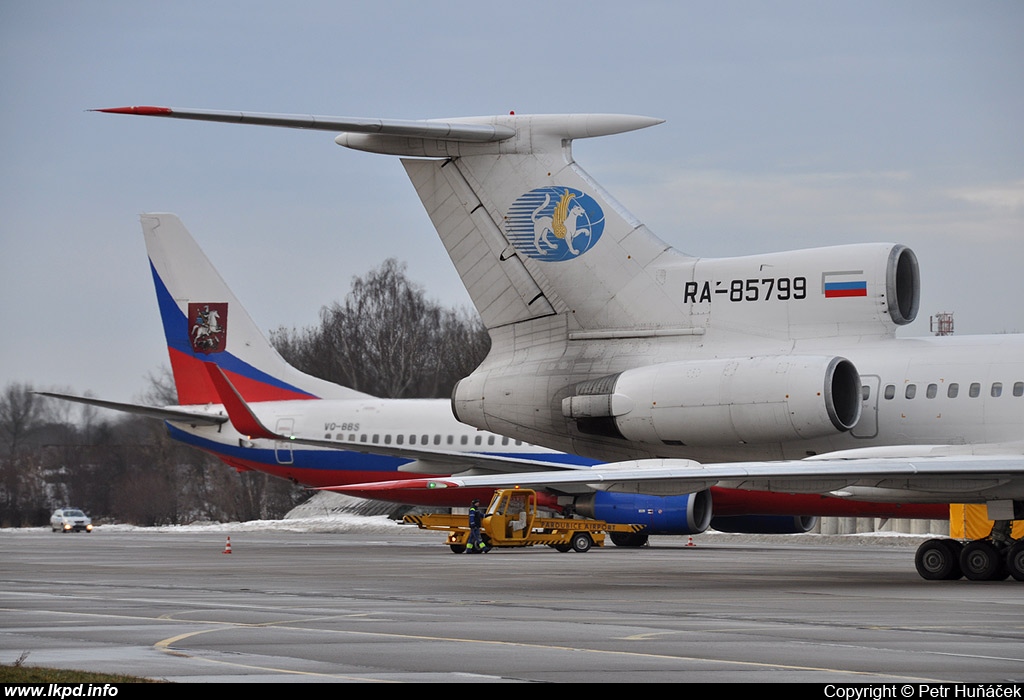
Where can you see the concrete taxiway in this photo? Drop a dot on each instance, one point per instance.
(398, 606)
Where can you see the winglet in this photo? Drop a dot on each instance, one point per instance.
(242, 417)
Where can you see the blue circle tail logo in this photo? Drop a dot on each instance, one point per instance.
(554, 223)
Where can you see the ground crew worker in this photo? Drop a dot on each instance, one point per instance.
(475, 545)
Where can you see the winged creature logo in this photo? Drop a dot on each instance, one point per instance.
(554, 223)
(208, 330)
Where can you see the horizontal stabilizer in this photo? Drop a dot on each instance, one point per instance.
(170, 413)
(453, 130)
(421, 137)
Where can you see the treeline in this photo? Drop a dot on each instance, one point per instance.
(385, 338)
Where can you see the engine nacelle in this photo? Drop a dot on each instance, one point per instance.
(663, 515)
(765, 524)
(860, 289)
(745, 400)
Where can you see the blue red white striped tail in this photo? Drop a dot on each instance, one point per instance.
(204, 322)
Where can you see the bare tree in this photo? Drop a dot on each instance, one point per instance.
(19, 414)
(388, 339)
(19, 474)
(160, 389)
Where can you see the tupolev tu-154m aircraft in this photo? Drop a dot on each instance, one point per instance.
(776, 372)
(241, 402)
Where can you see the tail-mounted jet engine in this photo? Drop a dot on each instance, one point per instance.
(743, 400)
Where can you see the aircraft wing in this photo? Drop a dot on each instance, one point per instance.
(431, 461)
(933, 474)
(171, 413)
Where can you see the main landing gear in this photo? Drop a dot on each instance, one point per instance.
(991, 559)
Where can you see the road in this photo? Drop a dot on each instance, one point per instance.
(397, 606)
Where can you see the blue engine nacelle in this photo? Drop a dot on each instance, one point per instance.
(663, 515)
(765, 524)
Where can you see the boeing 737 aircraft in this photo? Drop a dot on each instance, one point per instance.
(777, 372)
(241, 402)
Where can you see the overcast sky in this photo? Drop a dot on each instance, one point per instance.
(788, 125)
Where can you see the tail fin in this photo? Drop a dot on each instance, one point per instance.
(204, 322)
(520, 219)
(532, 234)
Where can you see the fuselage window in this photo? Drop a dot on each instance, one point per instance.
(424, 439)
(387, 439)
(412, 440)
(890, 391)
(451, 439)
(911, 391)
(975, 390)
(865, 393)
(479, 439)
(376, 439)
(1018, 388)
(464, 440)
(437, 439)
(997, 389)
(953, 390)
(490, 440)
(932, 391)
(400, 439)
(362, 438)
(352, 437)
(504, 441)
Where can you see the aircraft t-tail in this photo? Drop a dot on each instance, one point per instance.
(240, 401)
(775, 372)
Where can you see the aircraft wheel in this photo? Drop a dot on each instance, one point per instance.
(458, 548)
(629, 539)
(1015, 560)
(581, 542)
(938, 560)
(563, 548)
(980, 560)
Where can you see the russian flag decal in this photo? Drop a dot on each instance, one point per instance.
(846, 283)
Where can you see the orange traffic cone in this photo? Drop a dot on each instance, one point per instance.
(689, 543)
(227, 549)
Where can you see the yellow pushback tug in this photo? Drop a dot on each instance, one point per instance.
(511, 521)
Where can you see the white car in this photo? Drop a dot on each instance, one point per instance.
(70, 519)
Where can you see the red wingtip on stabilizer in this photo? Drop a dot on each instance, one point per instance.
(385, 486)
(144, 110)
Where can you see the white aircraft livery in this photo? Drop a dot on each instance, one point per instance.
(777, 372)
